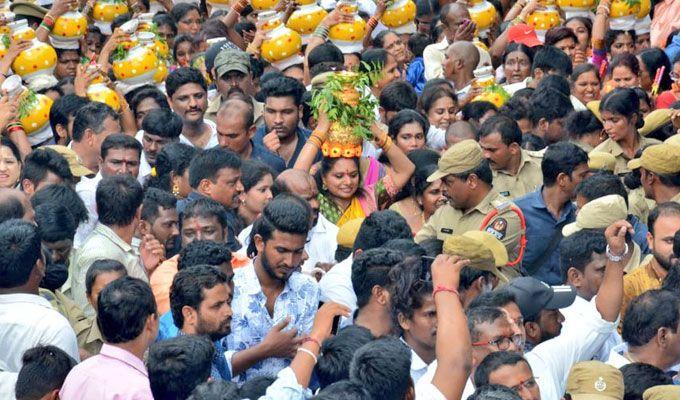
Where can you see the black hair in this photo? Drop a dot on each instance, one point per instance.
(469, 275)
(647, 313)
(625, 60)
(532, 142)
(398, 96)
(496, 298)
(187, 288)
(286, 213)
(252, 172)
(256, 387)
(408, 290)
(600, 185)
(11, 208)
(203, 252)
(587, 22)
(371, 268)
(154, 200)
(55, 222)
(213, 390)
(206, 207)
(506, 127)
(208, 164)
(118, 199)
(327, 164)
(663, 209)
(481, 315)
(19, 252)
(582, 69)
(524, 49)
(383, 366)
(373, 59)
(148, 92)
(344, 390)
(433, 93)
(63, 108)
(558, 33)
(61, 194)
(326, 56)
(44, 369)
(184, 76)
(91, 116)
(162, 18)
(417, 44)
(581, 123)
(638, 377)
(549, 104)
(494, 361)
(379, 39)
(556, 82)
(561, 158)
(494, 392)
(475, 110)
(482, 171)
(120, 141)
(611, 35)
(164, 123)
(176, 366)
(119, 20)
(123, 308)
(337, 352)
(173, 159)
(283, 87)
(179, 10)
(100, 267)
(407, 247)
(403, 117)
(625, 102)
(577, 250)
(550, 58)
(517, 108)
(379, 227)
(42, 161)
(654, 58)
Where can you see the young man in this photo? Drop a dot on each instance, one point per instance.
(515, 171)
(91, 125)
(549, 107)
(200, 299)
(26, 319)
(43, 167)
(383, 366)
(188, 95)
(337, 353)
(159, 127)
(659, 172)
(550, 207)
(272, 279)
(159, 218)
(396, 96)
(508, 369)
(129, 324)
(43, 371)
(62, 114)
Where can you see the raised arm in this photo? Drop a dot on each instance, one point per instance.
(311, 148)
(600, 24)
(610, 294)
(321, 34)
(59, 8)
(373, 23)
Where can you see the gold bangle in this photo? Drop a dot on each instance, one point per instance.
(387, 145)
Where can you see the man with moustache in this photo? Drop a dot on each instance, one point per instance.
(272, 301)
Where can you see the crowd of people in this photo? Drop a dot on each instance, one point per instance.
(200, 242)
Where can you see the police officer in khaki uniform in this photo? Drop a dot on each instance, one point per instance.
(659, 172)
(516, 172)
(467, 179)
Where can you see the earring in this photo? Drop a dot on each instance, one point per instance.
(324, 187)
(175, 190)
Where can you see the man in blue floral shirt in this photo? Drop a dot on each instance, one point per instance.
(274, 304)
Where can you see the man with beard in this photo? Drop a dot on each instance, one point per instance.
(663, 222)
(159, 218)
(200, 300)
(188, 94)
(274, 305)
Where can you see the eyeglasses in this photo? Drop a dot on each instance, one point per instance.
(527, 384)
(501, 343)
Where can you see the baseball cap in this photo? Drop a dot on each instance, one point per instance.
(599, 160)
(532, 295)
(75, 164)
(483, 253)
(461, 157)
(595, 380)
(229, 59)
(662, 392)
(661, 158)
(598, 214)
(524, 34)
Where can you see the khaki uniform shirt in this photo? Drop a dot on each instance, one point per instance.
(676, 198)
(639, 205)
(102, 244)
(214, 107)
(529, 177)
(613, 148)
(447, 221)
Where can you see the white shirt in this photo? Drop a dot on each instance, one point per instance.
(320, 247)
(87, 191)
(433, 57)
(418, 366)
(572, 320)
(8, 381)
(28, 320)
(212, 142)
(144, 166)
(436, 138)
(336, 285)
(617, 359)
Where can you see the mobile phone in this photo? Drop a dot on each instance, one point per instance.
(336, 324)
(426, 268)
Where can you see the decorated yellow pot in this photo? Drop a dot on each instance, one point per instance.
(543, 20)
(34, 110)
(484, 16)
(282, 45)
(19, 30)
(103, 94)
(494, 94)
(68, 29)
(161, 72)
(574, 8)
(483, 77)
(264, 5)
(645, 8)
(622, 14)
(4, 44)
(39, 59)
(341, 142)
(5, 18)
(399, 16)
(139, 64)
(105, 11)
(349, 36)
(305, 19)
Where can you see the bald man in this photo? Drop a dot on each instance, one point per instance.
(235, 131)
(459, 131)
(14, 204)
(461, 60)
(457, 24)
(322, 238)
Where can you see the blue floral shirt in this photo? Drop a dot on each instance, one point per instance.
(251, 322)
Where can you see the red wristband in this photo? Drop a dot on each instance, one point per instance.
(311, 339)
(442, 288)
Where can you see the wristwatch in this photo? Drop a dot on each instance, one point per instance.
(616, 258)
